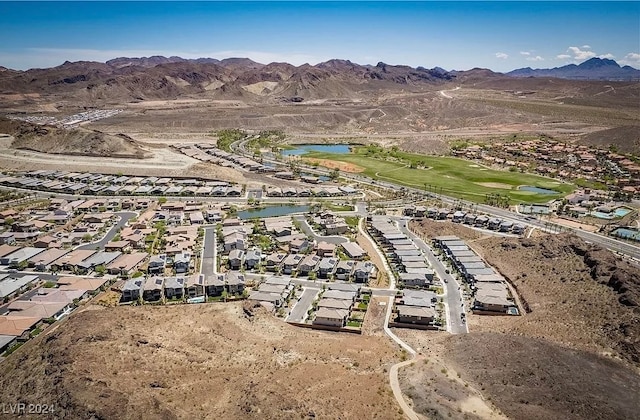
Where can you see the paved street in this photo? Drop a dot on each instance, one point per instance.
(453, 295)
(309, 232)
(209, 252)
(299, 311)
(125, 216)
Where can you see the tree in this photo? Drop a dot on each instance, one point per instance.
(334, 174)
(86, 237)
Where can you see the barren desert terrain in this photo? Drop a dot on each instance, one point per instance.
(201, 361)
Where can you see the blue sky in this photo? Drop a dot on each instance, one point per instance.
(454, 35)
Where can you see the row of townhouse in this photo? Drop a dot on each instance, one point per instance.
(408, 261)
(415, 308)
(336, 304)
(325, 191)
(468, 218)
(303, 265)
(209, 153)
(100, 184)
(79, 261)
(194, 288)
(490, 290)
(24, 318)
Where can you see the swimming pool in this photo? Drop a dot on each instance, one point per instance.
(627, 234)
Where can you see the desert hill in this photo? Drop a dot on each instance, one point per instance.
(172, 77)
(169, 94)
(576, 294)
(199, 361)
(536, 379)
(574, 353)
(77, 141)
(593, 69)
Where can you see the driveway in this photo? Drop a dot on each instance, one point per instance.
(299, 311)
(209, 252)
(125, 216)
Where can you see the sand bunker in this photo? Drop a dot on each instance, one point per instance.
(495, 185)
(331, 164)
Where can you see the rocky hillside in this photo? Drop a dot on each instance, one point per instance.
(77, 141)
(576, 294)
(172, 77)
(536, 379)
(199, 361)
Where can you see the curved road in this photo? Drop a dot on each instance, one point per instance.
(397, 391)
(125, 216)
(454, 302)
(304, 225)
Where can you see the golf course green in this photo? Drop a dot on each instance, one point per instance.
(446, 175)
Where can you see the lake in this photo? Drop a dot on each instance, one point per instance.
(325, 148)
(537, 190)
(271, 211)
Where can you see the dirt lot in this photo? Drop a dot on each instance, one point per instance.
(535, 379)
(200, 361)
(494, 376)
(434, 388)
(342, 166)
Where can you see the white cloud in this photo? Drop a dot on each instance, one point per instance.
(525, 53)
(502, 55)
(608, 55)
(579, 54)
(536, 58)
(586, 47)
(631, 59)
(563, 56)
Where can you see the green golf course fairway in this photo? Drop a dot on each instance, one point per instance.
(450, 176)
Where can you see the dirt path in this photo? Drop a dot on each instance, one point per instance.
(397, 391)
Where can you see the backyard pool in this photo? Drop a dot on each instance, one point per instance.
(325, 148)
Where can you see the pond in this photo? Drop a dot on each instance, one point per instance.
(536, 190)
(627, 234)
(271, 211)
(325, 148)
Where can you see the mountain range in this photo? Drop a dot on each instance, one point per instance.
(167, 77)
(593, 69)
(158, 77)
